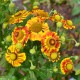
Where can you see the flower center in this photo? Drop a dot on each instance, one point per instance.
(36, 27)
(69, 66)
(69, 22)
(19, 35)
(53, 55)
(51, 42)
(57, 17)
(13, 56)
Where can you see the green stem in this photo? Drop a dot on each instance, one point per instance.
(72, 39)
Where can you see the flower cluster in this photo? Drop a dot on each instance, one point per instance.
(38, 29)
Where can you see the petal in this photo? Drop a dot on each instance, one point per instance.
(21, 57)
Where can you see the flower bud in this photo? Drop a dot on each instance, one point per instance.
(6, 47)
(19, 46)
(32, 67)
(33, 51)
(35, 3)
(11, 5)
(5, 24)
(55, 12)
(62, 39)
(2, 42)
(55, 69)
(8, 38)
(59, 24)
(76, 57)
(77, 44)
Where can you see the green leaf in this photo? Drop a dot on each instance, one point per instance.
(32, 1)
(79, 77)
(11, 72)
(3, 61)
(5, 78)
(41, 60)
(77, 72)
(2, 78)
(49, 73)
(42, 75)
(75, 10)
(76, 20)
(77, 69)
(10, 76)
(32, 75)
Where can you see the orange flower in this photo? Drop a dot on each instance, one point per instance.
(40, 13)
(20, 34)
(37, 27)
(14, 57)
(68, 24)
(66, 65)
(19, 17)
(50, 42)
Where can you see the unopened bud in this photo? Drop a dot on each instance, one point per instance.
(62, 39)
(11, 5)
(8, 38)
(6, 47)
(2, 42)
(59, 24)
(33, 51)
(19, 46)
(32, 67)
(55, 12)
(55, 69)
(77, 44)
(5, 24)
(35, 3)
